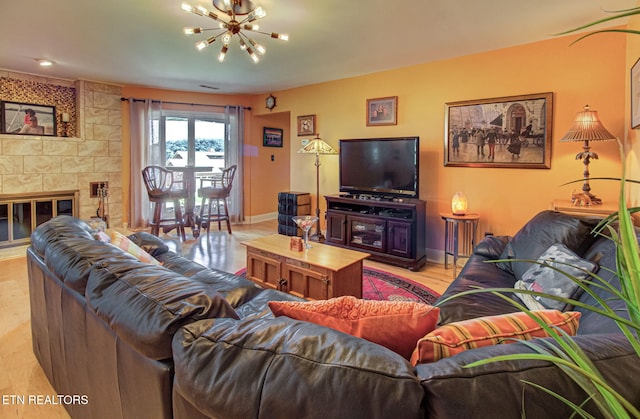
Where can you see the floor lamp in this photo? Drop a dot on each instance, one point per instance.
(587, 127)
(317, 146)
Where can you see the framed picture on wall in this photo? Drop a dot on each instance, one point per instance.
(382, 111)
(511, 132)
(306, 125)
(272, 137)
(635, 94)
(28, 119)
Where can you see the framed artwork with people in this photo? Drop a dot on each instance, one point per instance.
(28, 119)
(382, 111)
(511, 132)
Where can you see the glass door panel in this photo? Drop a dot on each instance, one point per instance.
(21, 220)
(4, 222)
(65, 207)
(44, 211)
(367, 233)
(177, 141)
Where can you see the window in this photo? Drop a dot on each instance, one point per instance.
(159, 134)
(190, 139)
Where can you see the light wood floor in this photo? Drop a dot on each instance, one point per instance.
(20, 374)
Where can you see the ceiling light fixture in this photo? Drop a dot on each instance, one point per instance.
(241, 15)
(44, 63)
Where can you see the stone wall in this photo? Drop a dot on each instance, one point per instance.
(31, 163)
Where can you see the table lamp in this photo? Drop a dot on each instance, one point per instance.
(459, 204)
(317, 146)
(587, 127)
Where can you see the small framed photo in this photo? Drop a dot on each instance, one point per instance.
(28, 119)
(272, 137)
(382, 111)
(635, 94)
(306, 125)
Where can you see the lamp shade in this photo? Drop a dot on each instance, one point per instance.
(587, 127)
(317, 146)
(459, 204)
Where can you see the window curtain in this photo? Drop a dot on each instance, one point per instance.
(234, 144)
(144, 151)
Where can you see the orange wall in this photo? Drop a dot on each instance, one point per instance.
(594, 71)
(267, 176)
(632, 136)
(591, 73)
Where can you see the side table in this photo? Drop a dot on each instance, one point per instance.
(457, 239)
(602, 210)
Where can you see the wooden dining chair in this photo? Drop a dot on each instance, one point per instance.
(217, 193)
(162, 189)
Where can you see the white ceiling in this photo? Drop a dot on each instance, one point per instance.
(140, 42)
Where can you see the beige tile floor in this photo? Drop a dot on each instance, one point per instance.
(20, 374)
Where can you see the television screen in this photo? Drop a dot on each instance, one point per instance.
(380, 166)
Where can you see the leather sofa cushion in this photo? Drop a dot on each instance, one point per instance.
(543, 230)
(145, 304)
(235, 289)
(284, 368)
(258, 306)
(478, 273)
(491, 247)
(498, 389)
(59, 228)
(149, 243)
(71, 259)
(177, 263)
(604, 253)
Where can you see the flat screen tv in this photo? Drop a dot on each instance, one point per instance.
(380, 166)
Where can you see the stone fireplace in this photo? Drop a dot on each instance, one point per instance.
(33, 165)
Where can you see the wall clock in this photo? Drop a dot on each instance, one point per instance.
(270, 102)
(307, 125)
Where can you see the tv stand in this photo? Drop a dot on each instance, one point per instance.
(372, 197)
(392, 231)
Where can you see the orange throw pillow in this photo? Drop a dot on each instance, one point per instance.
(457, 337)
(396, 325)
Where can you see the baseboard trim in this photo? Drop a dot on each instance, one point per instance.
(261, 217)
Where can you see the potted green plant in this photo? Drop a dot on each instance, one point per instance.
(618, 14)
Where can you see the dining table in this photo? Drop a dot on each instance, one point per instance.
(189, 183)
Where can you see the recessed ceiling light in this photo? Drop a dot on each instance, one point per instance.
(44, 63)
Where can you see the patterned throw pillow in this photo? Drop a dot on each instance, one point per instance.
(457, 337)
(396, 325)
(543, 278)
(121, 241)
(102, 236)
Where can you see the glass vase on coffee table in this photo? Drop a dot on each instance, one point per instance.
(305, 222)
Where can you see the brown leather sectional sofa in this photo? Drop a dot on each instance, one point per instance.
(181, 340)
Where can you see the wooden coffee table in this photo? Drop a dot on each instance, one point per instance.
(318, 273)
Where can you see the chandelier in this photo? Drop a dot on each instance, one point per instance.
(240, 15)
